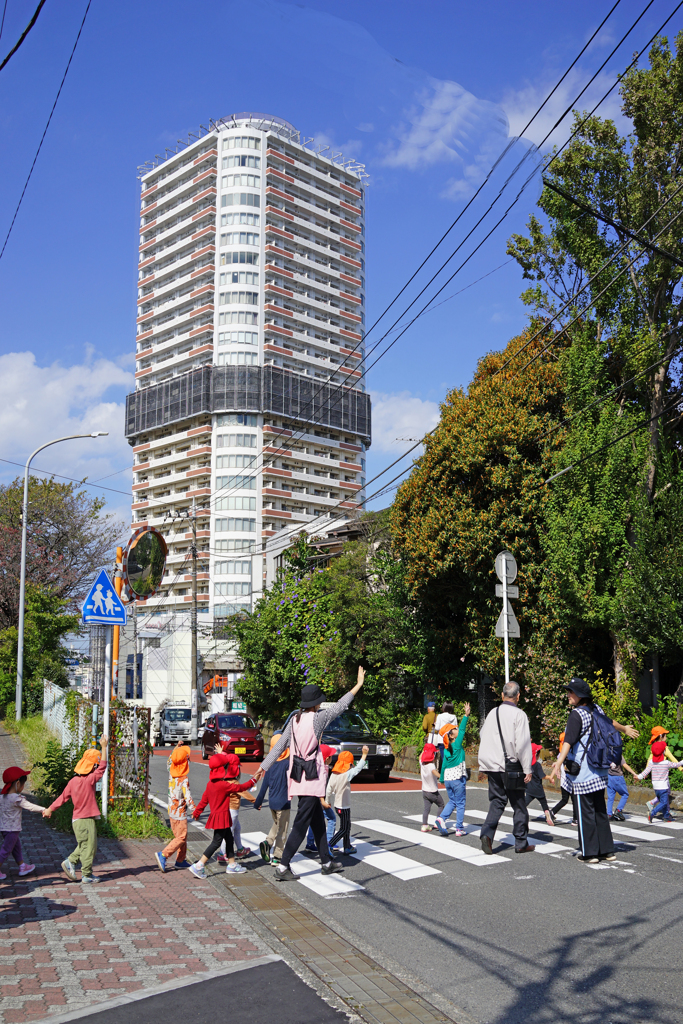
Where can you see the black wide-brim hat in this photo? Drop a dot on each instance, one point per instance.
(311, 695)
(580, 687)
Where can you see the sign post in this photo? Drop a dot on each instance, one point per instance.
(103, 606)
(507, 625)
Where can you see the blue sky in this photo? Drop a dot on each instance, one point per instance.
(425, 94)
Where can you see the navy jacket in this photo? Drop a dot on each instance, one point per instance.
(276, 781)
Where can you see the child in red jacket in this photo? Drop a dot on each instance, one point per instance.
(224, 768)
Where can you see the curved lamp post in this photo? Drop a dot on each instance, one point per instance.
(22, 584)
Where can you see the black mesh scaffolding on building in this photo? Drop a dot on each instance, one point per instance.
(264, 389)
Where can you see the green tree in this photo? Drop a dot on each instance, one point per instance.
(46, 624)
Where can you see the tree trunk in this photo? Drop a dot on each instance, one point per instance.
(625, 666)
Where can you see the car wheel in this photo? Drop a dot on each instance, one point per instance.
(382, 776)
(161, 743)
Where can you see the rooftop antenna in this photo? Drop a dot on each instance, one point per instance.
(321, 149)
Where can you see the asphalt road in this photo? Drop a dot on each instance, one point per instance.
(512, 939)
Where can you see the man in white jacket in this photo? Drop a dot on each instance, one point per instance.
(512, 724)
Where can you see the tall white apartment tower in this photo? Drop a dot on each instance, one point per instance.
(250, 406)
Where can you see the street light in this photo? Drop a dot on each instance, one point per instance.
(22, 584)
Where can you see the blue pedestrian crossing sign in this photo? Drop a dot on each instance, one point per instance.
(103, 605)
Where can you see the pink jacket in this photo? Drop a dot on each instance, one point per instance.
(305, 744)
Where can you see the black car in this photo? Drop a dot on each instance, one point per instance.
(350, 731)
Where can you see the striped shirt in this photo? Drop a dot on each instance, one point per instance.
(660, 772)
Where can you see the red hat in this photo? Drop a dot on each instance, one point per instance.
(11, 775)
(535, 750)
(327, 751)
(232, 766)
(428, 753)
(658, 750)
(217, 762)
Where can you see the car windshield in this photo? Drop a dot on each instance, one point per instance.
(349, 721)
(235, 722)
(178, 715)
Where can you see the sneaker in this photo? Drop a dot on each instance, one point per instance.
(651, 803)
(26, 869)
(310, 850)
(610, 856)
(460, 832)
(619, 816)
(198, 870)
(334, 849)
(349, 850)
(285, 876)
(89, 879)
(441, 826)
(221, 858)
(331, 868)
(573, 822)
(590, 860)
(275, 861)
(264, 850)
(668, 817)
(235, 869)
(183, 864)
(427, 828)
(161, 861)
(243, 851)
(69, 870)
(650, 816)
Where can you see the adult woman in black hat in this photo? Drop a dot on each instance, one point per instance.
(307, 778)
(589, 785)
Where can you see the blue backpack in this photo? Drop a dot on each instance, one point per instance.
(605, 746)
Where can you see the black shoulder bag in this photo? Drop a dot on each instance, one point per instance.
(514, 773)
(301, 766)
(574, 767)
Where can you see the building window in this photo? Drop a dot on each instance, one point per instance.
(235, 545)
(237, 359)
(234, 503)
(235, 180)
(253, 219)
(238, 419)
(235, 298)
(238, 338)
(235, 461)
(241, 142)
(232, 589)
(236, 441)
(240, 257)
(232, 568)
(241, 199)
(247, 483)
(242, 161)
(239, 277)
(237, 318)
(235, 525)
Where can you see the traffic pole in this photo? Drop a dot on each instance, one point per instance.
(105, 716)
(506, 624)
(118, 586)
(194, 721)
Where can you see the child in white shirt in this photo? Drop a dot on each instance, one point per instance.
(430, 786)
(11, 805)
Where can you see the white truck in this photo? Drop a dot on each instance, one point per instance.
(172, 722)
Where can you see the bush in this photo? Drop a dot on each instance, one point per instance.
(126, 819)
(57, 767)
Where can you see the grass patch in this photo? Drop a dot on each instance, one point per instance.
(34, 736)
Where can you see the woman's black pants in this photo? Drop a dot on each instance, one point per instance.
(308, 813)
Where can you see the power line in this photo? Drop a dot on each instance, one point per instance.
(23, 35)
(2, 23)
(42, 139)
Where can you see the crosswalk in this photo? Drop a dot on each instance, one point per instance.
(635, 833)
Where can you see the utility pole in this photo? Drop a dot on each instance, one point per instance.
(194, 726)
(105, 717)
(135, 648)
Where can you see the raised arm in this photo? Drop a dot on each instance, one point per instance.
(323, 718)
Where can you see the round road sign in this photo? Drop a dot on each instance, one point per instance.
(506, 566)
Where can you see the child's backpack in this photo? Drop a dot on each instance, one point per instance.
(604, 742)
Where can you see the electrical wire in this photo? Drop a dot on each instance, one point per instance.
(23, 35)
(4, 12)
(42, 139)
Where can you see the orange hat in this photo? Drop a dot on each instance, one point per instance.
(657, 730)
(180, 762)
(344, 762)
(273, 740)
(444, 730)
(86, 764)
(561, 738)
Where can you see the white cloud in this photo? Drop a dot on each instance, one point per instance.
(399, 418)
(448, 124)
(521, 104)
(39, 403)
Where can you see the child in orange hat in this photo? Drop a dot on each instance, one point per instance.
(11, 805)
(337, 795)
(81, 791)
(659, 767)
(179, 803)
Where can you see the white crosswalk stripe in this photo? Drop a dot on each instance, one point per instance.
(543, 845)
(309, 873)
(437, 844)
(646, 834)
(391, 863)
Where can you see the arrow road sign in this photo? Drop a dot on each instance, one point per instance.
(513, 625)
(103, 605)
